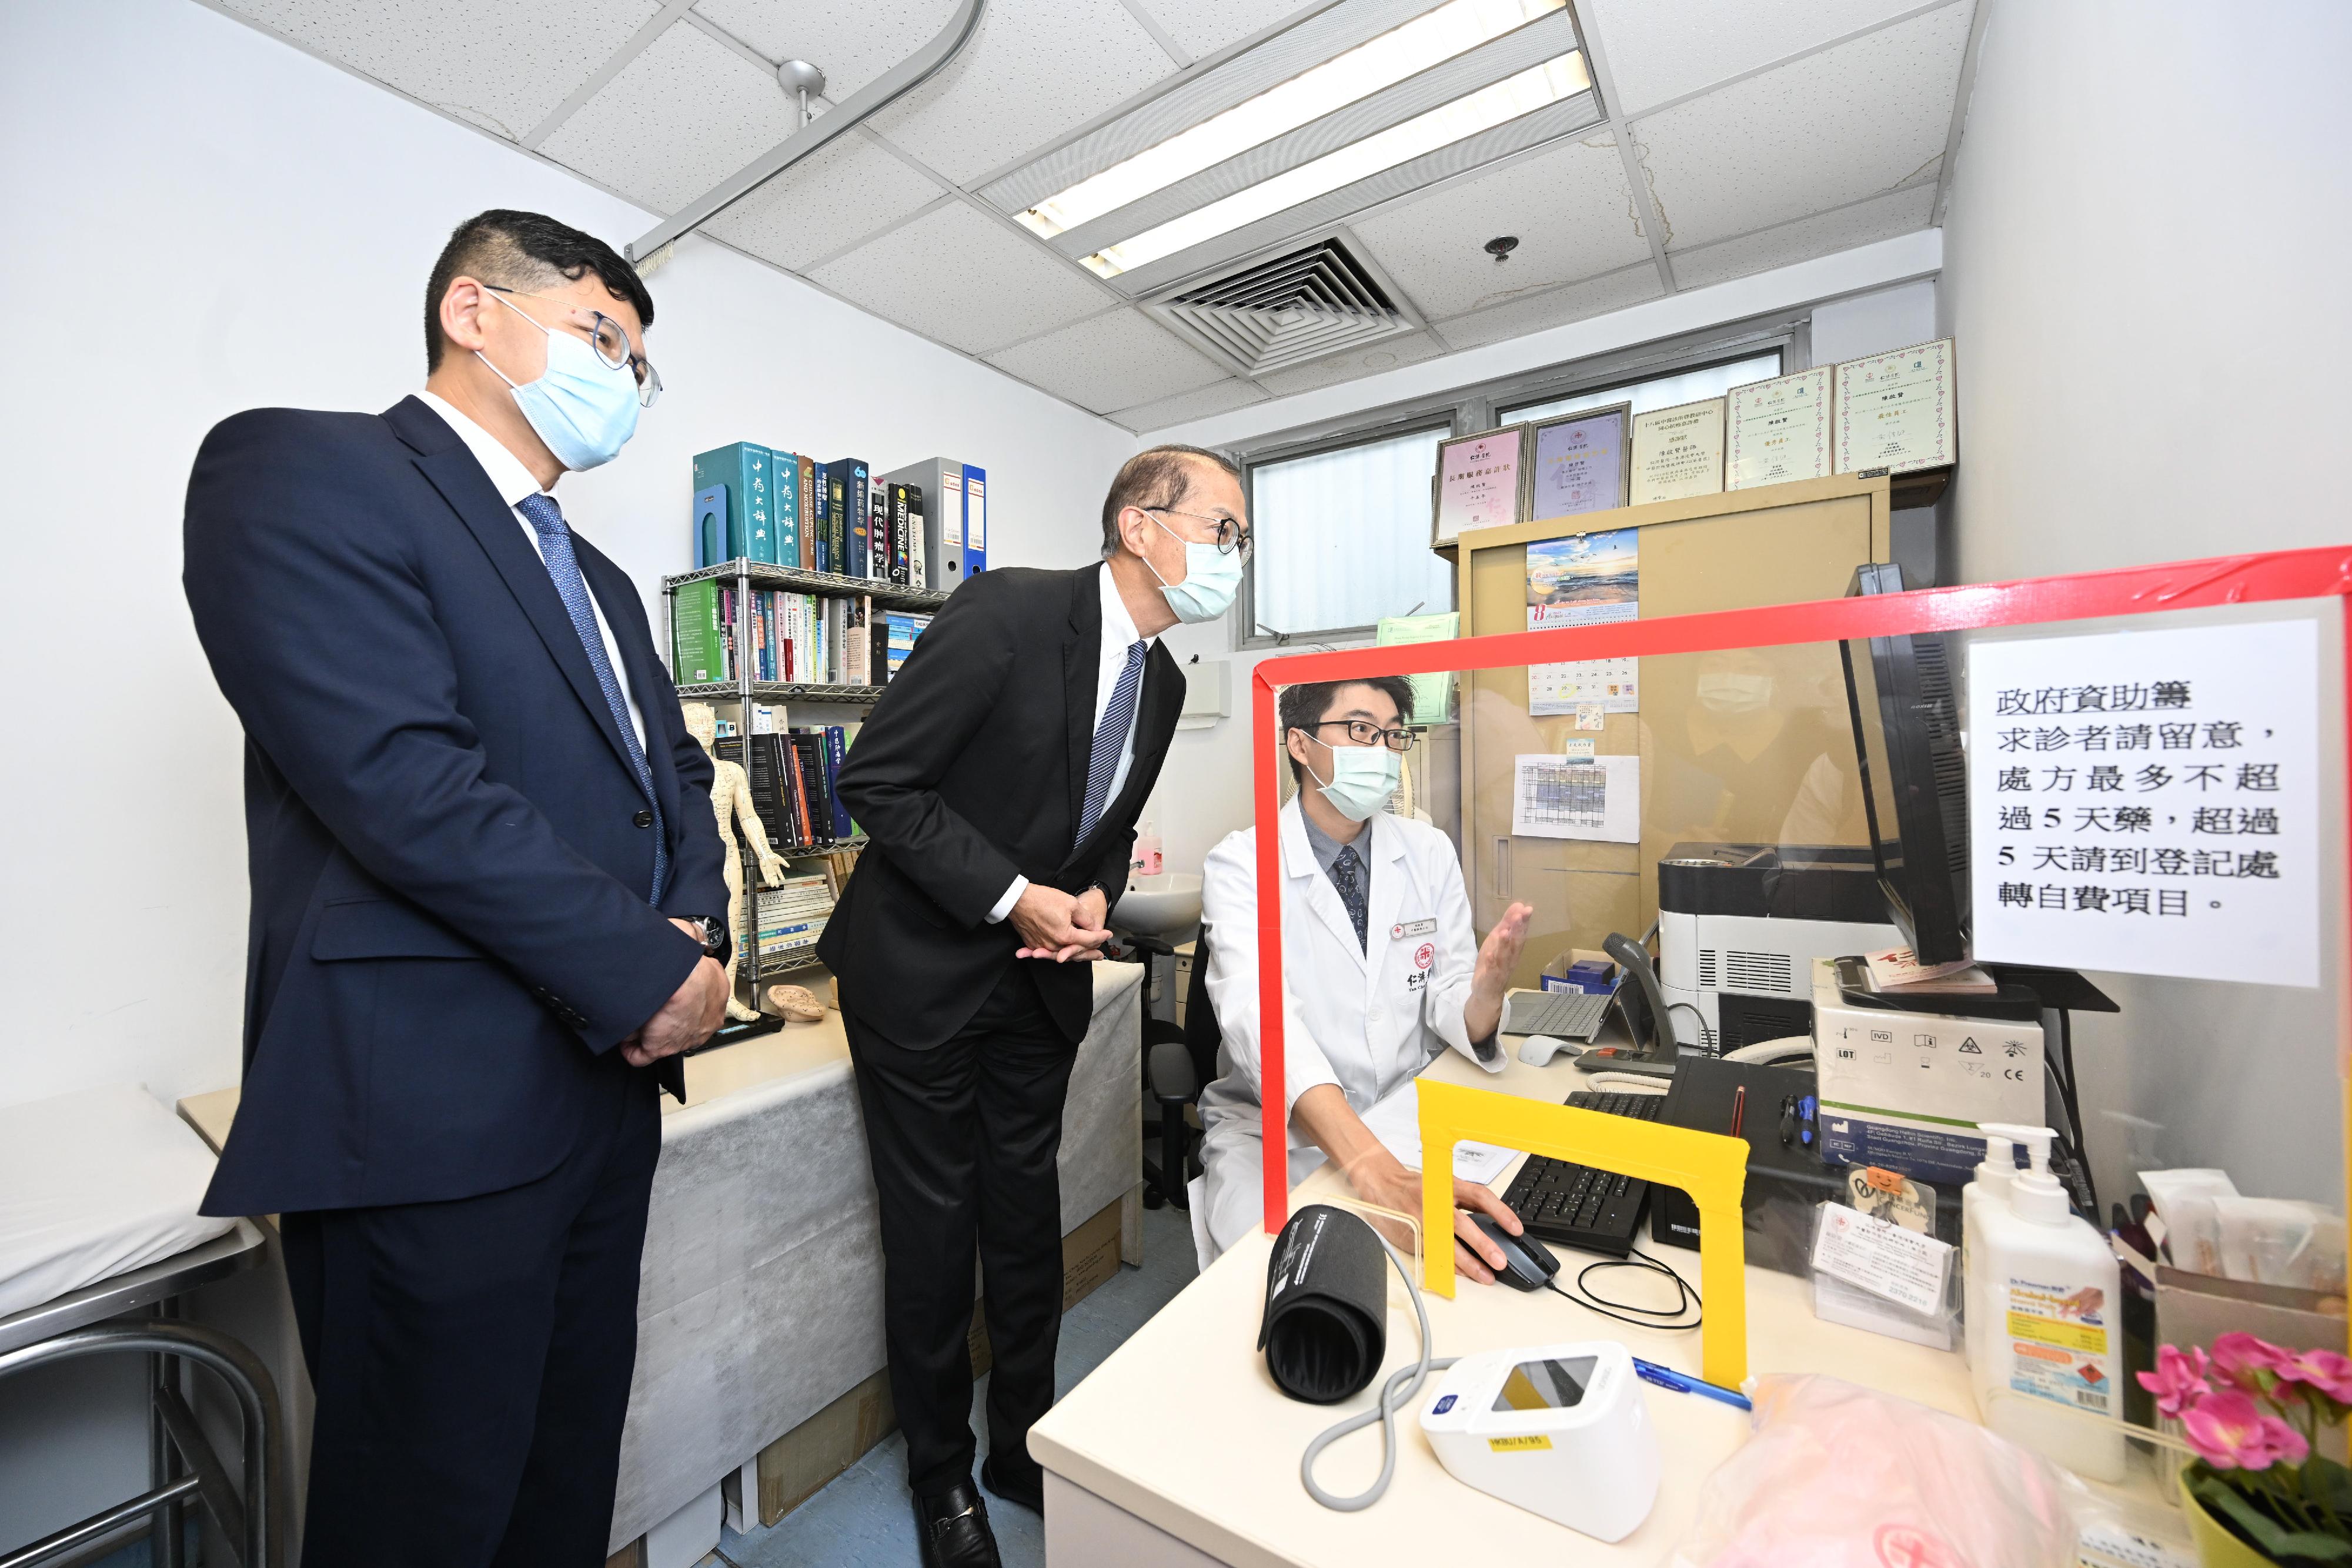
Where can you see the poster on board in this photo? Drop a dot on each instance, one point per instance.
(1586, 580)
(2148, 802)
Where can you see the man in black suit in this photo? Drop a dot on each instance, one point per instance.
(487, 907)
(999, 779)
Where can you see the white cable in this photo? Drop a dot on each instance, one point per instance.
(1643, 1082)
(1402, 1385)
(1786, 1049)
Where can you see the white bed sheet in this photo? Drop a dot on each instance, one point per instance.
(92, 1185)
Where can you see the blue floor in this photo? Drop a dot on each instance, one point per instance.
(864, 1517)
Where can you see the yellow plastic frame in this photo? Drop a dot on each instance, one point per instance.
(1709, 1166)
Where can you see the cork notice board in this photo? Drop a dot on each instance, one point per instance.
(1776, 544)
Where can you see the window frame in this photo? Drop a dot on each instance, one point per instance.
(1464, 411)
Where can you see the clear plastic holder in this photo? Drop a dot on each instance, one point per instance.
(1888, 1304)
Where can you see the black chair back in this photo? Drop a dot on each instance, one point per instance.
(1202, 1035)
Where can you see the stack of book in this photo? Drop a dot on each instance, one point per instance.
(792, 916)
(817, 638)
(756, 503)
(792, 773)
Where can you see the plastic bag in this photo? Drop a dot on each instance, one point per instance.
(1839, 1476)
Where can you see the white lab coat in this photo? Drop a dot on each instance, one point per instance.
(1367, 1019)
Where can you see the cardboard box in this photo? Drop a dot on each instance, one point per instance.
(1942, 1065)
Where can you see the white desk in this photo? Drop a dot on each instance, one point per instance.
(1179, 1450)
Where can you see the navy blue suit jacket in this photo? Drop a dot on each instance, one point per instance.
(449, 917)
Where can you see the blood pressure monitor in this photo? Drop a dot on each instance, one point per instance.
(1562, 1430)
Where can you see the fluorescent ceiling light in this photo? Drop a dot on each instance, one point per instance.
(1562, 77)
(1439, 35)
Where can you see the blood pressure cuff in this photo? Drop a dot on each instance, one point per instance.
(1326, 1327)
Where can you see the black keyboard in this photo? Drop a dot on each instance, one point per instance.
(1597, 1211)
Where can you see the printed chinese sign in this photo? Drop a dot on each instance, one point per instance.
(2148, 802)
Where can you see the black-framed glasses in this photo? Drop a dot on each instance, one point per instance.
(1364, 732)
(609, 339)
(1230, 535)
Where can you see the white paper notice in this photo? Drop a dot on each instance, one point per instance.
(1903, 1265)
(1576, 798)
(2148, 802)
(1396, 1123)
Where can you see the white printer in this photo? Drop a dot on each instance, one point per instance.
(1740, 926)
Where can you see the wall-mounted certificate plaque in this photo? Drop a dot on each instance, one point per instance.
(1575, 463)
(1678, 452)
(1897, 412)
(1477, 482)
(1779, 430)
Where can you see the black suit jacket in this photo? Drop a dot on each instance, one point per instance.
(972, 767)
(449, 876)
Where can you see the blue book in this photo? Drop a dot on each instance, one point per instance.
(822, 537)
(784, 474)
(976, 520)
(857, 549)
(742, 467)
(833, 747)
(710, 527)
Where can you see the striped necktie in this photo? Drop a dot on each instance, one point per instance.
(555, 546)
(1110, 740)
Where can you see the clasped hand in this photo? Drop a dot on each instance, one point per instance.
(1053, 925)
(691, 1015)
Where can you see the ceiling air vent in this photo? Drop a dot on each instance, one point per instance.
(1287, 309)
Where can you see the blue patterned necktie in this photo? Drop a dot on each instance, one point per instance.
(555, 546)
(1110, 740)
(1344, 867)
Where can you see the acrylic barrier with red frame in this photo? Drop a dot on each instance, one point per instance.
(2137, 591)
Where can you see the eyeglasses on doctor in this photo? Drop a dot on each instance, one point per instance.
(1230, 535)
(1364, 732)
(610, 341)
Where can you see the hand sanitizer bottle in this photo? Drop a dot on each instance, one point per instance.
(1145, 862)
(1989, 1187)
(2049, 1290)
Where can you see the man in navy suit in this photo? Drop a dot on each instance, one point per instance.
(487, 912)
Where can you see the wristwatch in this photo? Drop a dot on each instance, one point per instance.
(717, 942)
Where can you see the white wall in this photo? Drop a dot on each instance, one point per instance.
(202, 220)
(2143, 267)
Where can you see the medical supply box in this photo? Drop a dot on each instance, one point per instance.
(1880, 1053)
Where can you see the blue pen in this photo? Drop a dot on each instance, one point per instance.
(1683, 1382)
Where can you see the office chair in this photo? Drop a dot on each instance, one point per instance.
(1179, 1063)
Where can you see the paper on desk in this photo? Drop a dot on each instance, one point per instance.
(1886, 1259)
(1396, 1123)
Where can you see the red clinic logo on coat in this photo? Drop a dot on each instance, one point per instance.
(1424, 956)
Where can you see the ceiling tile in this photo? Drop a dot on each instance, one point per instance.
(1114, 360)
(963, 279)
(1217, 397)
(520, 61)
(1203, 27)
(1850, 122)
(1554, 307)
(851, 44)
(1035, 70)
(837, 195)
(1660, 49)
(1881, 217)
(1390, 353)
(1569, 208)
(679, 118)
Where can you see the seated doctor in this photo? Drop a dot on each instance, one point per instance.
(1380, 969)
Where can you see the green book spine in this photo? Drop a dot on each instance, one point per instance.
(742, 467)
(697, 639)
(784, 471)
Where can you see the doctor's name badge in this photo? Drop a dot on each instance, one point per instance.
(1413, 928)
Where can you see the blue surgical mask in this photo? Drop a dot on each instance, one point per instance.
(1363, 778)
(582, 407)
(1211, 578)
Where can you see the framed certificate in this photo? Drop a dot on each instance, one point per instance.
(1678, 452)
(1897, 412)
(1575, 463)
(1477, 482)
(1779, 430)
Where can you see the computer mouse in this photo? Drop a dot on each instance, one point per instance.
(1539, 1049)
(1526, 1262)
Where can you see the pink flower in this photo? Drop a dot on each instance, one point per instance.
(2178, 1379)
(2230, 1432)
(2324, 1371)
(2241, 1359)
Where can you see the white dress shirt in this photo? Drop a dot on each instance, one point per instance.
(1119, 634)
(513, 483)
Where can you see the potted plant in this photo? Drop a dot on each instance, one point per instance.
(2257, 1492)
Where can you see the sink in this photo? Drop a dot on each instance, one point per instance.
(1164, 906)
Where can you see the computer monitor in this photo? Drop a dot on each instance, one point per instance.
(1906, 740)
